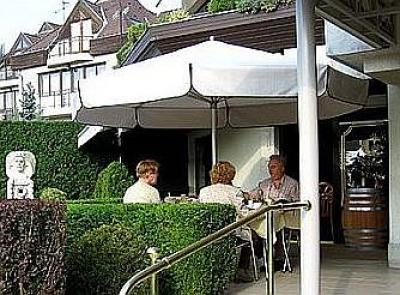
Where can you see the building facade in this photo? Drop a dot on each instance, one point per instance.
(56, 57)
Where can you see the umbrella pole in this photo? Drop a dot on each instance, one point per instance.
(119, 140)
(214, 132)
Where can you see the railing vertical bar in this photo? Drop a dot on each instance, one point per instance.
(270, 243)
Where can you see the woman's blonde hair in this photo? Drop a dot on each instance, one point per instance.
(222, 172)
(146, 166)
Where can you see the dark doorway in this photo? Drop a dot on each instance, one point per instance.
(203, 161)
(168, 147)
(289, 146)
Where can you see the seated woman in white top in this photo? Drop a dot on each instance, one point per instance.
(143, 190)
(221, 189)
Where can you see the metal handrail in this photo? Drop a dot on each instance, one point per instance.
(166, 262)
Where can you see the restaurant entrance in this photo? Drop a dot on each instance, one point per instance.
(346, 220)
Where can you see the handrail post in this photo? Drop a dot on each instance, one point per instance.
(270, 243)
(154, 254)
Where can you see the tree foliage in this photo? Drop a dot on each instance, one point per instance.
(29, 108)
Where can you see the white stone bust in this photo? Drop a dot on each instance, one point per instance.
(20, 166)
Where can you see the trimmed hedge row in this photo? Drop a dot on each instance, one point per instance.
(32, 244)
(113, 181)
(97, 201)
(59, 162)
(94, 251)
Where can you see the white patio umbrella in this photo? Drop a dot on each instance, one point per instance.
(214, 84)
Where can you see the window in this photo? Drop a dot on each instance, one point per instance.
(90, 71)
(78, 73)
(7, 103)
(100, 68)
(55, 82)
(66, 81)
(44, 84)
(85, 72)
(9, 99)
(55, 88)
(66, 88)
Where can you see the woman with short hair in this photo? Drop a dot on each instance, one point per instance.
(221, 190)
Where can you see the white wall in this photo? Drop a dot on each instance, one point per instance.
(247, 148)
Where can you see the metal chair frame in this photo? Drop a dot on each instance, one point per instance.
(250, 243)
(326, 203)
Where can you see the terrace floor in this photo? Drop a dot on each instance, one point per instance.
(343, 271)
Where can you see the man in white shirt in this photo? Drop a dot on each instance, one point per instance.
(143, 190)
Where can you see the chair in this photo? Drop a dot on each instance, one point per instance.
(247, 241)
(326, 203)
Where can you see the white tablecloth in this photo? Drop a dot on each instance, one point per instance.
(281, 219)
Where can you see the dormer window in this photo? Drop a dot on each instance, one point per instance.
(22, 44)
(81, 33)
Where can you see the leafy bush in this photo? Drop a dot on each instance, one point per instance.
(59, 162)
(113, 181)
(135, 31)
(252, 6)
(221, 5)
(111, 254)
(32, 243)
(51, 193)
(173, 16)
(169, 227)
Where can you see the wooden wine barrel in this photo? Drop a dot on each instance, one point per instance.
(365, 218)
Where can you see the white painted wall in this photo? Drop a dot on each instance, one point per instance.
(246, 148)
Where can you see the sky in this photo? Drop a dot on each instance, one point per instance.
(28, 15)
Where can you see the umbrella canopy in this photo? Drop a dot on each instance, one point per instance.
(211, 85)
(247, 87)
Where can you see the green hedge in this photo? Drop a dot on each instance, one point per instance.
(51, 193)
(120, 252)
(32, 247)
(169, 227)
(113, 181)
(252, 6)
(96, 201)
(221, 5)
(59, 162)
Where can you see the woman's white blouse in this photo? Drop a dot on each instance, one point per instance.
(221, 194)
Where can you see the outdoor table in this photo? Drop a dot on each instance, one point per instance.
(180, 199)
(281, 219)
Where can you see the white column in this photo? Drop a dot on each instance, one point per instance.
(394, 175)
(308, 141)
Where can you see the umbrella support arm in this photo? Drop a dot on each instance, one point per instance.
(214, 132)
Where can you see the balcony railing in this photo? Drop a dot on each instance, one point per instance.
(78, 44)
(8, 75)
(56, 99)
(7, 114)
